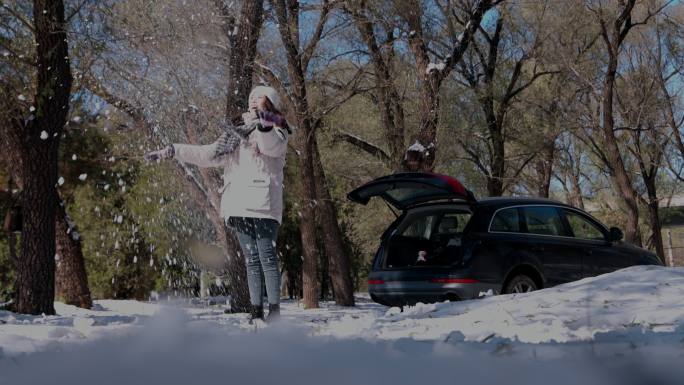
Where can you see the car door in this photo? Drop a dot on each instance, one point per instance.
(552, 243)
(597, 253)
(505, 246)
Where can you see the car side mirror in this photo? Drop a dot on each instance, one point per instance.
(615, 234)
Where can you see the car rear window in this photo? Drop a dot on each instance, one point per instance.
(403, 194)
(506, 221)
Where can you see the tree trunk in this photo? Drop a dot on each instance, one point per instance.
(619, 176)
(36, 266)
(71, 280)
(576, 192)
(495, 180)
(497, 171)
(339, 264)
(35, 287)
(654, 219)
(544, 168)
(243, 38)
(421, 155)
(307, 216)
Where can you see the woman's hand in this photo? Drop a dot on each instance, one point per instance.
(159, 155)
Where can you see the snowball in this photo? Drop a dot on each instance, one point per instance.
(43, 135)
(435, 67)
(74, 157)
(32, 108)
(21, 97)
(60, 181)
(417, 147)
(83, 177)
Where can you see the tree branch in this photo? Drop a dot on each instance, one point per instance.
(19, 17)
(316, 37)
(364, 145)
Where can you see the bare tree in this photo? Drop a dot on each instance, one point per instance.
(431, 75)
(380, 47)
(316, 198)
(497, 74)
(569, 171)
(666, 54)
(612, 25)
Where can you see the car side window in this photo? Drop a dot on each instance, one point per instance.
(544, 220)
(420, 228)
(582, 227)
(506, 221)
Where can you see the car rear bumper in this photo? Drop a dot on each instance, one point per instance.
(398, 293)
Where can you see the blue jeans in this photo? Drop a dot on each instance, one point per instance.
(258, 238)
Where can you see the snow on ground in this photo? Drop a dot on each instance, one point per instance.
(625, 327)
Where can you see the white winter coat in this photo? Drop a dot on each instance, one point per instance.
(252, 175)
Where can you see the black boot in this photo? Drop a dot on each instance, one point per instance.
(273, 313)
(257, 312)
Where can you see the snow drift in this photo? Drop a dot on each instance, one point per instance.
(621, 328)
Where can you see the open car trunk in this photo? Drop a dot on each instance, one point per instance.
(428, 238)
(420, 258)
(404, 190)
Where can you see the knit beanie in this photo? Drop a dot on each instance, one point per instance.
(269, 92)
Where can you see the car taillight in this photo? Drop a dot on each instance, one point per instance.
(453, 280)
(375, 281)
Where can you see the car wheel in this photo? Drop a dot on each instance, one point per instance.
(520, 284)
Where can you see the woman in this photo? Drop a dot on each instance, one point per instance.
(252, 193)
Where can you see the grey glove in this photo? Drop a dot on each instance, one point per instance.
(165, 153)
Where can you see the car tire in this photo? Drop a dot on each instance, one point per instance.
(520, 284)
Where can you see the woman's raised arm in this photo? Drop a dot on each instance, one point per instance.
(199, 155)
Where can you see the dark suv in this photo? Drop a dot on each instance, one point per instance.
(445, 244)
